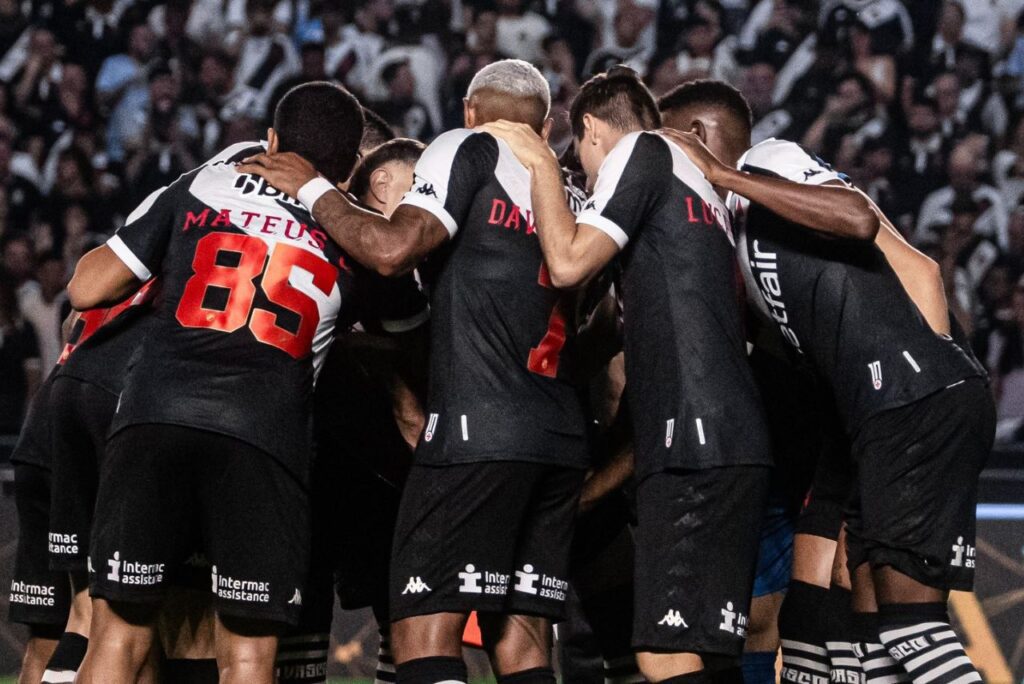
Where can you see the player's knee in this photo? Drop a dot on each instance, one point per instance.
(657, 667)
(763, 629)
(424, 636)
(516, 642)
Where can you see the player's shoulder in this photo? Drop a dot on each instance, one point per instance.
(460, 137)
(773, 152)
(233, 154)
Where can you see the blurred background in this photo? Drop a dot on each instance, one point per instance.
(920, 102)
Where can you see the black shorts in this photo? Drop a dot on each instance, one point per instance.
(917, 485)
(696, 552)
(81, 419)
(39, 597)
(491, 537)
(162, 486)
(821, 514)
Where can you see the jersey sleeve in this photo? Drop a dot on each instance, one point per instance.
(790, 161)
(142, 241)
(449, 173)
(630, 181)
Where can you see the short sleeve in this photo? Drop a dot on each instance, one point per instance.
(790, 161)
(629, 182)
(142, 241)
(450, 172)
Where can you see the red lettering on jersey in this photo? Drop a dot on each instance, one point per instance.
(319, 239)
(194, 220)
(498, 208)
(513, 219)
(288, 230)
(531, 228)
(689, 210)
(269, 222)
(709, 215)
(249, 216)
(223, 218)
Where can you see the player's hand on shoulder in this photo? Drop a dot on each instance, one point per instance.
(530, 149)
(704, 159)
(286, 171)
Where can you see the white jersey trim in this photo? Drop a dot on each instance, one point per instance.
(406, 324)
(127, 256)
(605, 225)
(417, 200)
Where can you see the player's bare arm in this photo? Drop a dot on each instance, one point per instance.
(832, 208)
(574, 252)
(101, 279)
(391, 247)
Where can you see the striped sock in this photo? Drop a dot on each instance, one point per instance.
(875, 662)
(802, 624)
(844, 666)
(66, 659)
(385, 660)
(302, 659)
(920, 638)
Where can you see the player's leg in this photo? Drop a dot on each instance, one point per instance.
(920, 473)
(39, 597)
(696, 554)
(74, 641)
(257, 579)
(143, 524)
(186, 626)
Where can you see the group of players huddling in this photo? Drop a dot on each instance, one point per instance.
(798, 407)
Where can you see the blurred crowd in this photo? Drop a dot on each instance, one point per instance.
(919, 102)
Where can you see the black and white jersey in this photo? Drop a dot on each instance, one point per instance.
(838, 303)
(251, 291)
(501, 344)
(691, 392)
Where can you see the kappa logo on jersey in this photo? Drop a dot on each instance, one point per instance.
(473, 581)
(428, 434)
(134, 573)
(733, 621)
(247, 184)
(765, 267)
(422, 187)
(249, 591)
(811, 173)
(964, 555)
(876, 374)
(590, 205)
(673, 618)
(415, 585)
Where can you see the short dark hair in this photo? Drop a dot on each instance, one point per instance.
(617, 97)
(376, 131)
(322, 122)
(708, 93)
(404, 150)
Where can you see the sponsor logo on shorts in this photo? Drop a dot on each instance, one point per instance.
(673, 618)
(733, 622)
(134, 573)
(428, 434)
(232, 589)
(63, 544)
(964, 555)
(473, 581)
(550, 587)
(876, 374)
(27, 594)
(415, 585)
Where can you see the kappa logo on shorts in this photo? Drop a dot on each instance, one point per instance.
(428, 434)
(415, 585)
(296, 599)
(964, 555)
(732, 621)
(876, 374)
(673, 618)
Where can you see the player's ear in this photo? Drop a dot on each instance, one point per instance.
(468, 113)
(698, 128)
(272, 141)
(380, 179)
(589, 129)
(545, 130)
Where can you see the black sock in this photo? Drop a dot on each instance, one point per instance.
(700, 677)
(66, 658)
(843, 663)
(536, 675)
(919, 637)
(190, 671)
(876, 663)
(728, 675)
(431, 671)
(803, 624)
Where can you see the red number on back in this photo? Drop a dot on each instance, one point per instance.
(238, 280)
(545, 356)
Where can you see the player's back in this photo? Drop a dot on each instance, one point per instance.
(696, 403)
(500, 343)
(251, 290)
(840, 303)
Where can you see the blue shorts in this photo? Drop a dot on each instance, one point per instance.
(775, 555)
